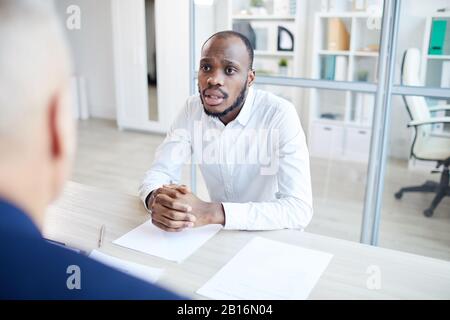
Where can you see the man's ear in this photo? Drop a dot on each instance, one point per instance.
(251, 77)
(54, 127)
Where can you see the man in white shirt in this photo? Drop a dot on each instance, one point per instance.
(249, 145)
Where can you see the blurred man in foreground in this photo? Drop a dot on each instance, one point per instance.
(37, 144)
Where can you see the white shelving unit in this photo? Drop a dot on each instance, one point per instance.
(347, 136)
(431, 65)
(426, 58)
(268, 58)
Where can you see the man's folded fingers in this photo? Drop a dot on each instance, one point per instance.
(173, 224)
(173, 193)
(159, 209)
(179, 216)
(165, 228)
(172, 186)
(184, 189)
(171, 203)
(179, 187)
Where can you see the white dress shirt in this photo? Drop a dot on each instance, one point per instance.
(257, 165)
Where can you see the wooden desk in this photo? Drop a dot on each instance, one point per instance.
(77, 217)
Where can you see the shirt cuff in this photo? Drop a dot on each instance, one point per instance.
(236, 215)
(144, 193)
(143, 196)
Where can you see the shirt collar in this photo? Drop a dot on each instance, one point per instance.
(14, 220)
(246, 109)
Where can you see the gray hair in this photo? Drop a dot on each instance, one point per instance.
(34, 63)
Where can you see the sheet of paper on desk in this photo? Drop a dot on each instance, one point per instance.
(174, 246)
(268, 270)
(137, 270)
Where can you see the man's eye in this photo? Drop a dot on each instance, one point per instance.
(205, 68)
(230, 70)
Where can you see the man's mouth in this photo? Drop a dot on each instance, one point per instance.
(213, 97)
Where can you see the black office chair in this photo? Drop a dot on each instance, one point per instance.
(425, 145)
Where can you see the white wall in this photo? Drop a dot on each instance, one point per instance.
(92, 50)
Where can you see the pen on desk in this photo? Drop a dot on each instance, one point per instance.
(61, 244)
(55, 242)
(102, 234)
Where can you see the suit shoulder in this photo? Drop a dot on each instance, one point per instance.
(35, 269)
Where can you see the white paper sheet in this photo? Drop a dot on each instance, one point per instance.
(137, 270)
(266, 269)
(174, 246)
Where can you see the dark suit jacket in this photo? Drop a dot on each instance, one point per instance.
(33, 268)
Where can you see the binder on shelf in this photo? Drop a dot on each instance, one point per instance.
(328, 67)
(445, 76)
(340, 72)
(437, 37)
(338, 36)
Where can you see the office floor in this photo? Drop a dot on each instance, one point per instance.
(117, 160)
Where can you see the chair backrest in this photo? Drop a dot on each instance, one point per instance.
(417, 106)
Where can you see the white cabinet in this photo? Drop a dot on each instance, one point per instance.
(327, 140)
(357, 144)
(340, 142)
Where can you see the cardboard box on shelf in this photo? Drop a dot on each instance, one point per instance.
(338, 36)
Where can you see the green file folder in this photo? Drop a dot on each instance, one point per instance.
(437, 38)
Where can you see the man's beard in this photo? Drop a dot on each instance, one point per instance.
(236, 104)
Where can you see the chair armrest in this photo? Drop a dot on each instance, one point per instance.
(429, 121)
(442, 107)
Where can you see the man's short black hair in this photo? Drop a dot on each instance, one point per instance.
(229, 33)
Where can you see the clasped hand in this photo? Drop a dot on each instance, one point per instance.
(175, 208)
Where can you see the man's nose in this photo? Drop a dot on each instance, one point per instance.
(215, 79)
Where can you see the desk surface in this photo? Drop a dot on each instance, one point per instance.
(77, 217)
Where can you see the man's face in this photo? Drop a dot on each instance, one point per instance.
(224, 75)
